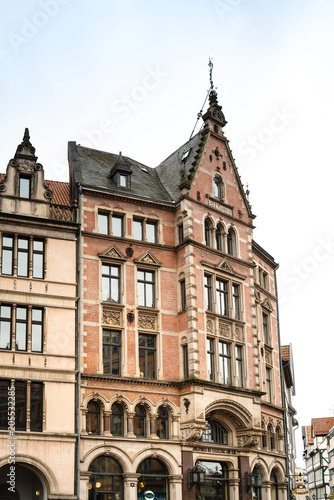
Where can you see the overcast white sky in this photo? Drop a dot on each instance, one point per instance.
(131, 76)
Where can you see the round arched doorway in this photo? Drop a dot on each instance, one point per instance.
(153, 482)
(106, 479)
(26, 484)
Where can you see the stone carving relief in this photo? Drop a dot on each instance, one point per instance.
(248, 440)
(224, 329)
(148, 321)
(239, 334)
(112, 316)
(192, 432)
(209, 326)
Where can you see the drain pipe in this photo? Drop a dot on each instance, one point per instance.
(79, 339)
(282, 389)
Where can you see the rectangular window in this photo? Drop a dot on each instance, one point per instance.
(137, 229)
(5, 403)
(222, 297)
(265, 327)
(180, 231)
(36, 406)
(236, 301)
(210, 358)
(183, 295)
(21, 406)
(225, 362)
(24, 405)
(151, 232)
(238, 362)
(38, 259)
(5, 327)
(111, 283)
(208, 292)
(117, 225)
(21, 329)
(103, 223)
(146, 295)
(7, 255)
(25, 187)
(147, 356)
(268, 384)
(36, 330)
(112, 344)
(22, 256)
(122, 180)
(185, 362)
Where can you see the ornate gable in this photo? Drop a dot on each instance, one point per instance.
(113, 252)
(224, 265)
(266, 304)
(148, 258)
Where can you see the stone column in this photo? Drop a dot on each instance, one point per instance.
(130, 486)
(130, 433)
(187, 463)
(153, 427)
(175, 427)
(234, 484)
(244, 469)
(266, 490)
(84, 481)
(175, 487)
(106, 422)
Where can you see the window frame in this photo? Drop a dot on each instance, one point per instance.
(13, 320)
(208, 291)
(26, 405)
(91, 413)
(13, 252)
(180, 233)
(121, 419)
(105, 217)
(269, 384)
(112, 279)
(222, 297)
(24, 177)
(143, 417)
(210, 358)
(146, 350)
(265, 327)
(183, 295)
(146, 285)
(144, 223)
(225, 362)
(185, 359)
(164, 419)
(217, 430)
(111, 346)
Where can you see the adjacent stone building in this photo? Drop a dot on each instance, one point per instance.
(181, 380)
(38, 294)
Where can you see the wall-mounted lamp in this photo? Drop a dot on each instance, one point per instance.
(253, 480)
(196, 476)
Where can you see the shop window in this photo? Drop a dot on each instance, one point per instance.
(216, 480)
(106, 479)
(153, 478)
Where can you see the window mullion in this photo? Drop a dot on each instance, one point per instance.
(31, 242)
(29, 329)
(15, 257)
(28, 396)
(13, 332)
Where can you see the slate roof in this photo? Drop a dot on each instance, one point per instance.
(322, 426)
(169, 169)
(95, 166)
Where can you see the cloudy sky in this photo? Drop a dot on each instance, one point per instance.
(131, 76)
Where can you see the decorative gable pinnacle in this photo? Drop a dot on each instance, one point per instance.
(25, 149)
(214, 111)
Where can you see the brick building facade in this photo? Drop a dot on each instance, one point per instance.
(179, 347)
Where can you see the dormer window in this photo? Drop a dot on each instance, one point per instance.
(121, 173)
(24, 186)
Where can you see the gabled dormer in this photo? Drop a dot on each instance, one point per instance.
(121, 173)
(22, 189)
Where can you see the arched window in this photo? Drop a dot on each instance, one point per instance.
(214, 432)
(93, 418)
(217, 188)
(216, 480)
(117, 420)
(207, 232)
(154, 478)
(219, 236)
(162, 423)
(231, 242)
(106, 479)
(139, 421)
(271, 437)
(257, 490)
(274, 486)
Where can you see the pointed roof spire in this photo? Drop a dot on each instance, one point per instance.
(215, 111)
(25, 149)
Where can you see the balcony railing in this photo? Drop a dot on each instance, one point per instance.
(63, 213)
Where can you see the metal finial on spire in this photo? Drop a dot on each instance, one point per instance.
(211, 66)
(247, 192)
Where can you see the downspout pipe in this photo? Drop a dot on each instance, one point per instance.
(79, 191)
(282, 389)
